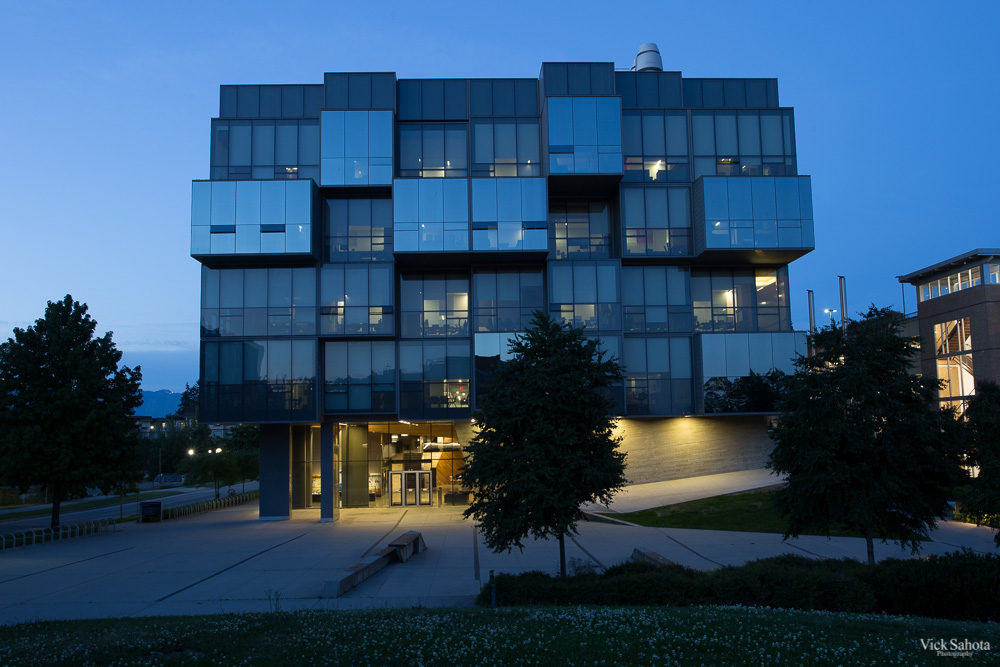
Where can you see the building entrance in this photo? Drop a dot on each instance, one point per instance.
(399, 464)
(410, 488)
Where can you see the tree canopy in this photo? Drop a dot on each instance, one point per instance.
(861, 440)
(188, 406)
(545, 442)
(982, 498)
(65, 406)
(222, 461)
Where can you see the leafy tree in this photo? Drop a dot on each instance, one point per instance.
(188, 407)
(66, 408)
(545, 444)
(982, 498)
(210, 466)
(165, 450)
(861, 440)
(207, 461)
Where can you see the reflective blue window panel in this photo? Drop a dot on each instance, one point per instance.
(747, 212)
(253, 217)
(431, 214)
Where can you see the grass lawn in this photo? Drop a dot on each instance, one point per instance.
(65, 509)
(511, 636)
(747, 511)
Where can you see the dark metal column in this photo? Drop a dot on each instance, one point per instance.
(275, 472)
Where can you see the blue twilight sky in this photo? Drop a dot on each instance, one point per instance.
(106, 106)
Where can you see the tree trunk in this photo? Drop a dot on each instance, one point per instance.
(869, 541)
(56, 499)
(562, 555)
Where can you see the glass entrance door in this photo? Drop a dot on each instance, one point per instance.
(410, 488)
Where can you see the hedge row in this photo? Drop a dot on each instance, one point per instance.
(959, 586)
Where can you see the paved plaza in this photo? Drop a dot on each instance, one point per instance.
(228, 561)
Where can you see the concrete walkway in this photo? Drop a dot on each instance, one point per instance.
(657, 494)
(228, 561)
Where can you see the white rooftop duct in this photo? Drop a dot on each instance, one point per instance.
(648, 59)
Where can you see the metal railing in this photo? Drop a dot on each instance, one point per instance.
(209, 505)
(23, 538)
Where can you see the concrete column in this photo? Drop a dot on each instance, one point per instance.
(328, 510)
(275, 472)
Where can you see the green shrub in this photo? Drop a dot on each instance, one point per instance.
(794, 582)
(960, 586)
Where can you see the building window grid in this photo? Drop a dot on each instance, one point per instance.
(505, 148)
(454, 318)
(586, 294)
(357, 299)
(359, 376)
(655, 146)
(434, 306)
(743, 143)
(658, 375)
(259, 380)
(740, 300)
(580, 229)
(506, 299)
(433, 150)
(953, 350)
(265, 149)
(258, 302)
(656, 221)
(359, 230)
(434, 378)
(655, 299)
(584, 135)
(960, 280)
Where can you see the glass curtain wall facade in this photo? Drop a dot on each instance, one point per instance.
(370, 245)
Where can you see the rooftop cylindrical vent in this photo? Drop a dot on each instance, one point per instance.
(648, 59)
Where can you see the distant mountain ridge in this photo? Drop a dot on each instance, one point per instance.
(158, 404)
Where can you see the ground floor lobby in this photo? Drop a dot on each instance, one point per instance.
(337, 465)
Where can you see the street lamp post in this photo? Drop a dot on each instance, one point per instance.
(830, 312)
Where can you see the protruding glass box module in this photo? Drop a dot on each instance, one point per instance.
(585, 135)
(754, 212)
(356, 148)
(430, 214)
(509, 214)
(252, 217)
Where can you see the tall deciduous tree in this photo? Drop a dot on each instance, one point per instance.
(545, 444)
(861, 440)
(65, 406)
(982, 498)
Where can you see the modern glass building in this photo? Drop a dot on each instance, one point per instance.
(369, 245)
